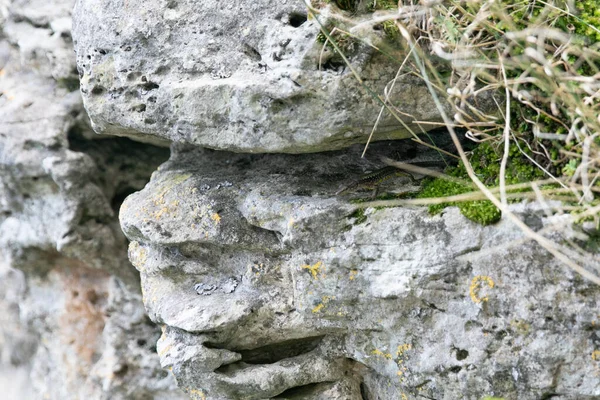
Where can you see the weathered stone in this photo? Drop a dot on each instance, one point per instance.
(331, 303)
(265, 283)
(73, 324)
(241, 76)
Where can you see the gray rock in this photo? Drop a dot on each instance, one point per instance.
(242, 76)
(73, 323)
(335, 305)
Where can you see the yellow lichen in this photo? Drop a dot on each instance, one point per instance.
(196, 394)
(314, 269)
(353, 274)
(216, 217)
(596, 355)
(318, 308)
(137, 255)
(321, 306)
(402, 349)
(476, 285)
(378, 352)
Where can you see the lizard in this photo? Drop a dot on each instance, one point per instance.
(373, 180)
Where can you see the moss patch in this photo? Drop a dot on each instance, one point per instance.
(359, 216)
(480, 211)
(485, 160)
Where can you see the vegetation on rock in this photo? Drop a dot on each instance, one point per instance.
(519, 78)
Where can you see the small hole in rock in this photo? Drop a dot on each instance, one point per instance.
(335, 66)
(139, 108)
(92, 296)
(150, 85)
(297, 19)
(461, 354)
(97, 90)
(121, 370)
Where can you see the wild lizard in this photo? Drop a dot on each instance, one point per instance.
(373, 180)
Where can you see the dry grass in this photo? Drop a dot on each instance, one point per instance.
(538, 63)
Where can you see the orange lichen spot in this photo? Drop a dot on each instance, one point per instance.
(477, 284)
(353, 274)
(314, 269)
(216, 217)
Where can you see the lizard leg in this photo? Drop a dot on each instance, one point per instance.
(375, 192)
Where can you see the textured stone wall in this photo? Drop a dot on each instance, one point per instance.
(264, 282)
(73, 323)
(242, 76)
(270, 286)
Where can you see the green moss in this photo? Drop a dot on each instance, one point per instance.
(391, 30)
(375, 5)
(485, 160)
(440, 188)
(344, 42)
(570, 168)
(588, 22)
(346, 5)
(359, 216)
(481, 211)
(583, 21)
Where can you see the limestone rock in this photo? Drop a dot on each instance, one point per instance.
(73, 323)
(241, 76)
(331, 303)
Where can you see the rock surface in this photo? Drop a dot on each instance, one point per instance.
(242, 76)
(73, 324)
(269, 286)
(265, 283)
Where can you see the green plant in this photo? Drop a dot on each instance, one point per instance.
(523, 79)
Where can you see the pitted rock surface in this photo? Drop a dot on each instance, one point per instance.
(334, 305)
(241, 76)
(73, 323)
